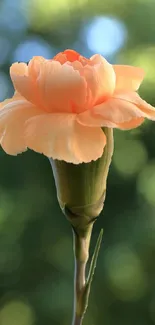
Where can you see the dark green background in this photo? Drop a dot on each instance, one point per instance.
(36, 259)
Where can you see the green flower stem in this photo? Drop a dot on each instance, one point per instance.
(81, 254)
(77, 320)
(81, 285)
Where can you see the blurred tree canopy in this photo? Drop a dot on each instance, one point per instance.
(36, 259)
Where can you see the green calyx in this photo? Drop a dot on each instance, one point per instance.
(81, 189)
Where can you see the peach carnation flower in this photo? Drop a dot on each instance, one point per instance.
(60, 106)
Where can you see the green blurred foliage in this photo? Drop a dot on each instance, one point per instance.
(36, 259)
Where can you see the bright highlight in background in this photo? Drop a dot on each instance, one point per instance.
(105, 35)
(125, 273)
(6, 46)
(32, 47)
(146, 183)
(130, 156)
(17, 312)
(12, 16)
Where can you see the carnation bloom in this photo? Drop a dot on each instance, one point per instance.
(60, 106)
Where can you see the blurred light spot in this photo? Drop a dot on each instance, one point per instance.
(52, 294)
(152, 309)
(105, 35)
(42, 13)
(54, 254)
(130, 156)
(59, 295)
(146, 183)
(11, 256)
(148, 230)
(6, 207)
(5, 47)
(12, 4)
(149, 2)
(17, 313)
(32, 47)
(4, 86)
(125, 274)
(16, 19)
(44, 294)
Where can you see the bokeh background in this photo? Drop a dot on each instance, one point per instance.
(36, 259)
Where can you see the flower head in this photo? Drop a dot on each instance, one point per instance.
(60, 106)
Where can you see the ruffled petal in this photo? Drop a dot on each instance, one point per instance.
(147, 110)
(91, 119)
(110, 114)
(118, 110)
(127, 77)
(134, 123)
(60, 57)
(25, 83)
(124, 111)
(100, 78)
(15, 97)
(14, 113)
(60, 136)
(49, 85)
(60, 87)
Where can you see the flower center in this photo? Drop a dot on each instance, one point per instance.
(71, 56)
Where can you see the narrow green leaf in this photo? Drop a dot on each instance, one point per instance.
(85, 296)
(94, 258)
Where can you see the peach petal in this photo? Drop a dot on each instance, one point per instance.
(146, 109)
(111, 113)
(128, 77)
(62, 88)
(93, 120)
(49, 85)
(60, 136)
(20, 69)
(134, 123)
(7, 101)
(35, 65)
(12, 119)
(89, 143)
(118, 110)
(89, 118)
(100, 78)
(121, 111)
(23, 82)
(76, 66)
(60, 57)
